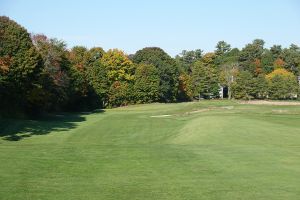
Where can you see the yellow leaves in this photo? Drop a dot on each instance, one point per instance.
(115, 58)
(208, 58)
(118, 65)
(185, 84)
(279, 72)
(129, 77)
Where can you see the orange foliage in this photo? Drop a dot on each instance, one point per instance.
(258, 69)
(79, 66)
(279, 63)
(183, 79)
(185, 85)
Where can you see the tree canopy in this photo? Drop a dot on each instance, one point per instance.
(40, 74)
(167, 70)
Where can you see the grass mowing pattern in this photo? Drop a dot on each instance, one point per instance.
(206, 150)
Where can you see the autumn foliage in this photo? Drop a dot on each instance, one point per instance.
(40, 74)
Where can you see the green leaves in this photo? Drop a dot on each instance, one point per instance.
(146, 86)
(41, 74)
(118, 66)
(222, 48)
(20, 65)
(205, 78)
(243, 86)
(167, 70)
(282, 84)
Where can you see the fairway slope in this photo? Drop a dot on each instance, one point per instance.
(198, 150)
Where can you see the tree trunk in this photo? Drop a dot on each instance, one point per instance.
(229, 93)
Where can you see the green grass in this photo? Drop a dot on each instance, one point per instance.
(224, 150)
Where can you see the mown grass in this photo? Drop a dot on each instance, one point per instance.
(205, 150)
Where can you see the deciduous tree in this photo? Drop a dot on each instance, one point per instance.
(146, 86)
(282, 84)
(167, 70)
(20, 66)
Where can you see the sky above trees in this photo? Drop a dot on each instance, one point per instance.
(171, 25)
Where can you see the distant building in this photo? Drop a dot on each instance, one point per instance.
(223, 91)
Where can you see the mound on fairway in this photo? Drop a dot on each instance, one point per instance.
(226, 151)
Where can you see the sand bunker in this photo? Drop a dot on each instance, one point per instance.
(158, 116)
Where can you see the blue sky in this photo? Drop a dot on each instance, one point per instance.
(170, 24)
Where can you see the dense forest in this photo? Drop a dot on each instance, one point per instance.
(40, 74)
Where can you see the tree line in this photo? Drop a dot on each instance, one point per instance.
(40, 74)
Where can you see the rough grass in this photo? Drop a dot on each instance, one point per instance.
(205, 150)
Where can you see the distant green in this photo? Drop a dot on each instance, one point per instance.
(205, 150)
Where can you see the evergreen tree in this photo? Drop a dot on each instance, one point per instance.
(243, 86)
(205, 80)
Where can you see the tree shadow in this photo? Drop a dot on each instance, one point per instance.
(18, 129)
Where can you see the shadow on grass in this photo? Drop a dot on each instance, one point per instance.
(18, 129)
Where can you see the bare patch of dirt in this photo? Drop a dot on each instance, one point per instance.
(264, 102)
